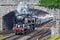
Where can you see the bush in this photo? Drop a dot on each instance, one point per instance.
(50, 3)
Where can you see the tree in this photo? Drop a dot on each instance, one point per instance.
(50, 3)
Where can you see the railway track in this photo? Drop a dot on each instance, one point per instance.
(42, 36)
(29, 35)
(13, 37)
(32, 35)
(39, 35)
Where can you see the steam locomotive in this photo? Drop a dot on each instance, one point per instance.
(24, 23)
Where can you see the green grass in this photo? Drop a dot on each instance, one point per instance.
(1, 36)
(50, 38)
(55, 39)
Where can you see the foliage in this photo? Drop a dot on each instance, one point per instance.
(50, 3)
(50, 38)
(57, 38)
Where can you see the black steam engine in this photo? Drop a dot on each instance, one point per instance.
(24, 23)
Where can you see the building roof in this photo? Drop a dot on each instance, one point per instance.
(38, 12)
(32, 11)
